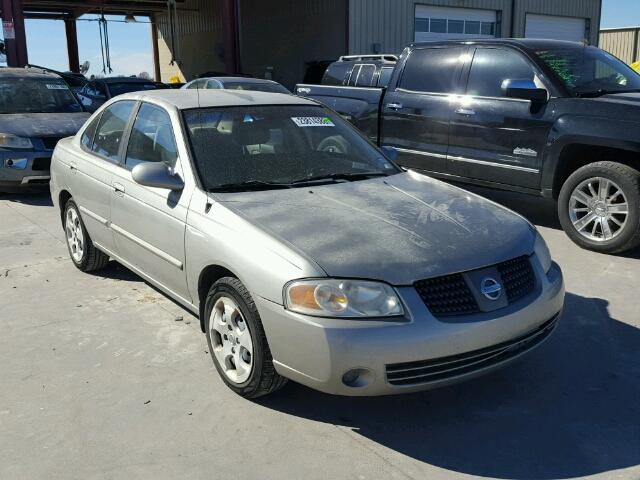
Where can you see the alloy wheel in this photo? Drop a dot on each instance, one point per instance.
(231, 340)
(75, 237)
(598, 209)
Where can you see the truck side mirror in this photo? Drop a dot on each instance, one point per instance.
(525, 90)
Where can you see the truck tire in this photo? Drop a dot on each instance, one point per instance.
(237, 342)
(599, 207)
(83, 253)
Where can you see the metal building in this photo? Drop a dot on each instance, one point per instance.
(279, 38)
(624, 43)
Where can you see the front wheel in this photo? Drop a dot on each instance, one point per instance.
(599, 207)
(237, 342)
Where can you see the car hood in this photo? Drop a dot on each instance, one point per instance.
(397, 229)
(43, 124)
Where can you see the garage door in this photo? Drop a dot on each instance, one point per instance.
(558, 28)
(443, 23)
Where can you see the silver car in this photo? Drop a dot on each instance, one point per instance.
(307, 254)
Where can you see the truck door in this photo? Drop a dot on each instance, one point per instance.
(416, 111)
(494, 138)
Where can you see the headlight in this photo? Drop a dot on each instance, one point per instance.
(342, 298)
(8, 140)
(542, 252)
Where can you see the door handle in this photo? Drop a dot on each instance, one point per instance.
(465, 111)
(118, 189)
(73, 167)
(394, 106)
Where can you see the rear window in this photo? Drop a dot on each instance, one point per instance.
(256, 87)
(36, 95)
(433, 70)
(126, 87)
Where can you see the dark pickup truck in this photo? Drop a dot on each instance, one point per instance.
(552, 118)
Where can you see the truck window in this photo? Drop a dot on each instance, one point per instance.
(385, 76)
(433, 70)
(336, 74)
(491, 66)
(365, 77)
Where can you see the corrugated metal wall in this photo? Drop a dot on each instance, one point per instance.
(624, 43)
(390, 23)
(589, 9)
(198, 45)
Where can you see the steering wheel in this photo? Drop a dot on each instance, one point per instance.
(334, 144)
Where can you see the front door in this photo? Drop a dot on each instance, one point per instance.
(149, 223)
(494, 138)
(417, 111)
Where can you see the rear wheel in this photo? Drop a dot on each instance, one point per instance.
(83, 253)
(599, 207)
(237, 342)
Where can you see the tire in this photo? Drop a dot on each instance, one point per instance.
(249, 379)
(597, 224)
(87, 258)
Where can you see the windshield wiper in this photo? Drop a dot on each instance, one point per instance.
(339, 176)
(249, 185)
(602, 91)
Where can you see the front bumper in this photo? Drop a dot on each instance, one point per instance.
(35, 174)
(418, 353)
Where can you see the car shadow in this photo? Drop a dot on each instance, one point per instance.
(115, 271)
(568, 409)
(36, 198)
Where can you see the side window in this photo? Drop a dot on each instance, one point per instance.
(101, 90)
(90, 89)
(433, 70)
(87, 136)
(354, 75)
(212, 84)
(110, 129)
(491, 66)
(385, 76)
(151, 138)
(336, 74)
(365, 78)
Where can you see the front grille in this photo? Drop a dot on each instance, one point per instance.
(426, 371)
(450, 295)
(50, 142)
(518, 278)
(447, 296)
(41, 164)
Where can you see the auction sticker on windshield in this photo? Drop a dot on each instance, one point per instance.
(313, 121)
(56, 86)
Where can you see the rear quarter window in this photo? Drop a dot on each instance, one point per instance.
(433, 70)
(336, 73)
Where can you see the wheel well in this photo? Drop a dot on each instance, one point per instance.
(208, 277)
(575, 156)
(63, 198)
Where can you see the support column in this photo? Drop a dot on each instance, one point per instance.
(230, 36)
(71, 33)
(14, 34)
(154, 48)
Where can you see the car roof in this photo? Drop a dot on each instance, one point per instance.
(123, 80)
(187, 99)
(526, 43)
(26, 72)
(238, 80)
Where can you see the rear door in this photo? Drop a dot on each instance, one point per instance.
(92, 172)
(416, 112)
(149, 223)
(494, 138)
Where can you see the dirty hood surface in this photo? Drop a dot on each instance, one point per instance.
(43, 124)
(398, 229)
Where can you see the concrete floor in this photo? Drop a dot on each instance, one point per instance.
(99, 380)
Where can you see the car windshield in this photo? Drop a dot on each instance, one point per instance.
(278, 146)
(256, 87)
(589, 71)
(36, 95)
(118, 88)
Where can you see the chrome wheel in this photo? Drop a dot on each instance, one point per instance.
(75, 237)
(598, 209)
(231, 340)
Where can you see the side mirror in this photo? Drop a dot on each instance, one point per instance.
(524, 90)
(390, 152)
(156, 174)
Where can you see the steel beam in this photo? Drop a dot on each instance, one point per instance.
(230, 36)
(71, 33)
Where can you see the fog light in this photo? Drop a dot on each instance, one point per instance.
(357, 377)
(16, 163)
